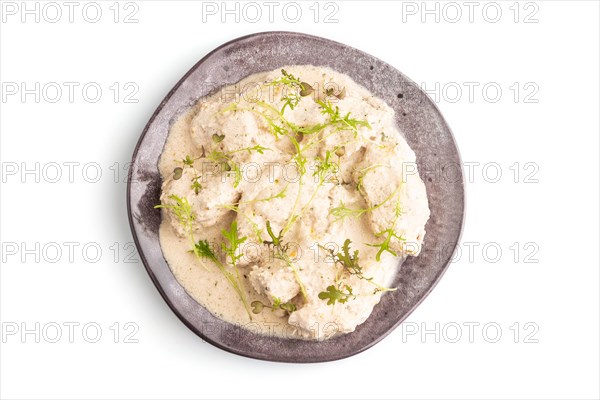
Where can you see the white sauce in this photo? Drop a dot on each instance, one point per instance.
(372, 157)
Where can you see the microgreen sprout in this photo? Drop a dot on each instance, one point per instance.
(350, 265)
(341, 123)
(288, 306)
(389, 233)
(338, 294)
(182, 210)
(294, 89)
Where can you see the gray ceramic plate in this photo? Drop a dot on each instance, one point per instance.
(425, 130)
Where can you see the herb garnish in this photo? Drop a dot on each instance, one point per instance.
(345, 122)
(298, 89)
(257, 306)
(188, 162)
(337, 294)
(182, 210)
(341, 211)
(389, 233)
(350, 265)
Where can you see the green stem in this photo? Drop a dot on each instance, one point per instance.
(289, 263)
(229, 276)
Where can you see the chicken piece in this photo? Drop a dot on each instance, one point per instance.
(319, 320)
(205, 124)
(215, 130)
(277, 281)
(395, 195)
(254, 210)
(276, 197)
(207, 204)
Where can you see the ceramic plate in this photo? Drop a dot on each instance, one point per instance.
(418, 118)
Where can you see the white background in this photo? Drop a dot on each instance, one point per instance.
(551, 211)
